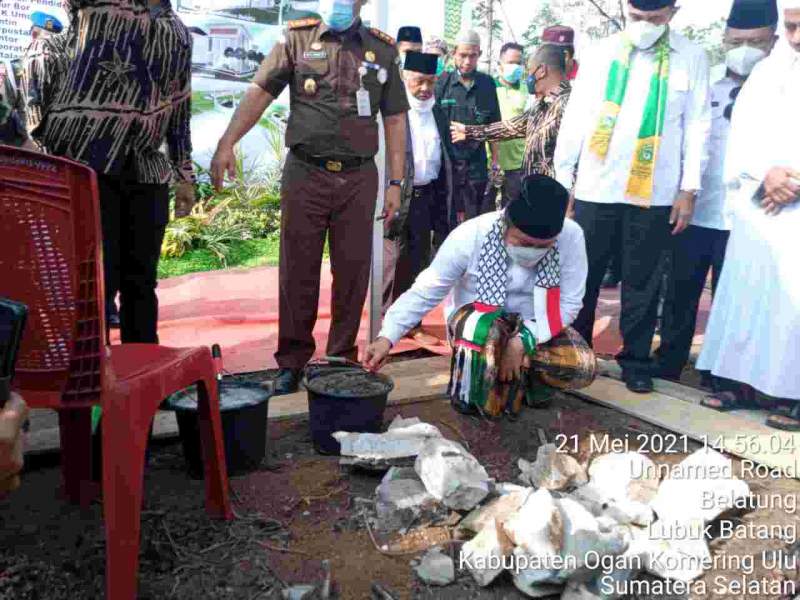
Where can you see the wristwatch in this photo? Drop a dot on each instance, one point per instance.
(396, 182)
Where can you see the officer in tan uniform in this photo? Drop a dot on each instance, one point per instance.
(340, 74)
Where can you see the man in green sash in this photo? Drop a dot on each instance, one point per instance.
(633, 146)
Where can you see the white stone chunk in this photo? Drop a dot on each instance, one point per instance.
(552, 470)
(436, 568)
(399, 422)
(401, 442)
(486, 555)
(702, 486)
(451, 474)
(625, 476)
(497, 510)
(537, 528)
(600, 503)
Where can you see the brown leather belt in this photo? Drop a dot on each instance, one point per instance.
(330, 164)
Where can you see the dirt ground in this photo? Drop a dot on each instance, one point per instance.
(296, 512)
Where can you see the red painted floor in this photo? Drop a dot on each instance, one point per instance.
(238, 309)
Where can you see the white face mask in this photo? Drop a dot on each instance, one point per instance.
(644, 34)
(742, 60)
(526, 257)
(420, 105)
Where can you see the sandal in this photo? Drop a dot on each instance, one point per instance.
(724, 401)
(785, 417)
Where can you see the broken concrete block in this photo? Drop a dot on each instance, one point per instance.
(600, 503)
(451, 474)
(399, 422)
(533, 589)
(582, 537)
(536, 529)
(401, 499)
(498, 510)
(581, 591)
(486, 555)
(552, 470)
(299, 592)
(436, 568)
(702, 486)
(625, 476)
(501, 489)
(673, 550)
(400, 442)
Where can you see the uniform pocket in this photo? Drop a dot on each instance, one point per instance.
(315, 70)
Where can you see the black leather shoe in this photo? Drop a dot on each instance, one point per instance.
(286, 381)
(639, 383)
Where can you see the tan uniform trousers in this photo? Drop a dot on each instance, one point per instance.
(316, 203)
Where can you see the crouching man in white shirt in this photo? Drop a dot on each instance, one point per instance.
(516, 280)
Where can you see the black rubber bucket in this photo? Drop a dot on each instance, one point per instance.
(344, 399)
(244, 408)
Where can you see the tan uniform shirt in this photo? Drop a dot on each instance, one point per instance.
(322, 67)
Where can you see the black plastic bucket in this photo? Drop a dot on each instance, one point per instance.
(353, 410)
(244, 408)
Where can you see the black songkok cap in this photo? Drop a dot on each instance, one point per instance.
(420, 62)
(651, 4)
(541, 207)
(753, 14)
(409, 34)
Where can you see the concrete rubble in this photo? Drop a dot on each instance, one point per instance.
(552, 470)
(451, 474)
(485, 554)
(544, 532)
(497, 510)
(399, 445)
(436, 568)
(702, 487)
(401, 499)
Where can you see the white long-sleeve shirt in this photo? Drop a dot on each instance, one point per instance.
(710, 210)
(683, 152)
(425, 142)
(454, 271)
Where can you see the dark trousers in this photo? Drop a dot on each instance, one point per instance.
(469, 195)
(134, 217)
(693, 253)
(316, 204)
(427, 223)
(512, 187)
(645, 237)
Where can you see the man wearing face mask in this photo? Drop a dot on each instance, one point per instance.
(409, 39)
(749, 37)
(563, 37)
(467, 96)
(633, 146)
(514, 279)
(341, 74)
(422, 224)
(540, 125)
(752, 340)
(512, 94)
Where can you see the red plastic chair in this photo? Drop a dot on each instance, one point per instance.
(50, 259)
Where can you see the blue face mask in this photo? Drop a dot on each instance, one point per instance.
(337, 14)
(531, 81)
(512, 73)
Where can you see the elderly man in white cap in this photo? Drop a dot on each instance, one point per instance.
(469, 97)
(753, 337)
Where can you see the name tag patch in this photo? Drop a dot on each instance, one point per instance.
(315, 55)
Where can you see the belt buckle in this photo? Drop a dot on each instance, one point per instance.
(333, 166)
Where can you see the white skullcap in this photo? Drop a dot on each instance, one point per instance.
(468, 37)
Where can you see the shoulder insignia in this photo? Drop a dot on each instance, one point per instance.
(384, 37)
(303, 23)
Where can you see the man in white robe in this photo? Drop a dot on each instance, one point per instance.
(753, 335)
